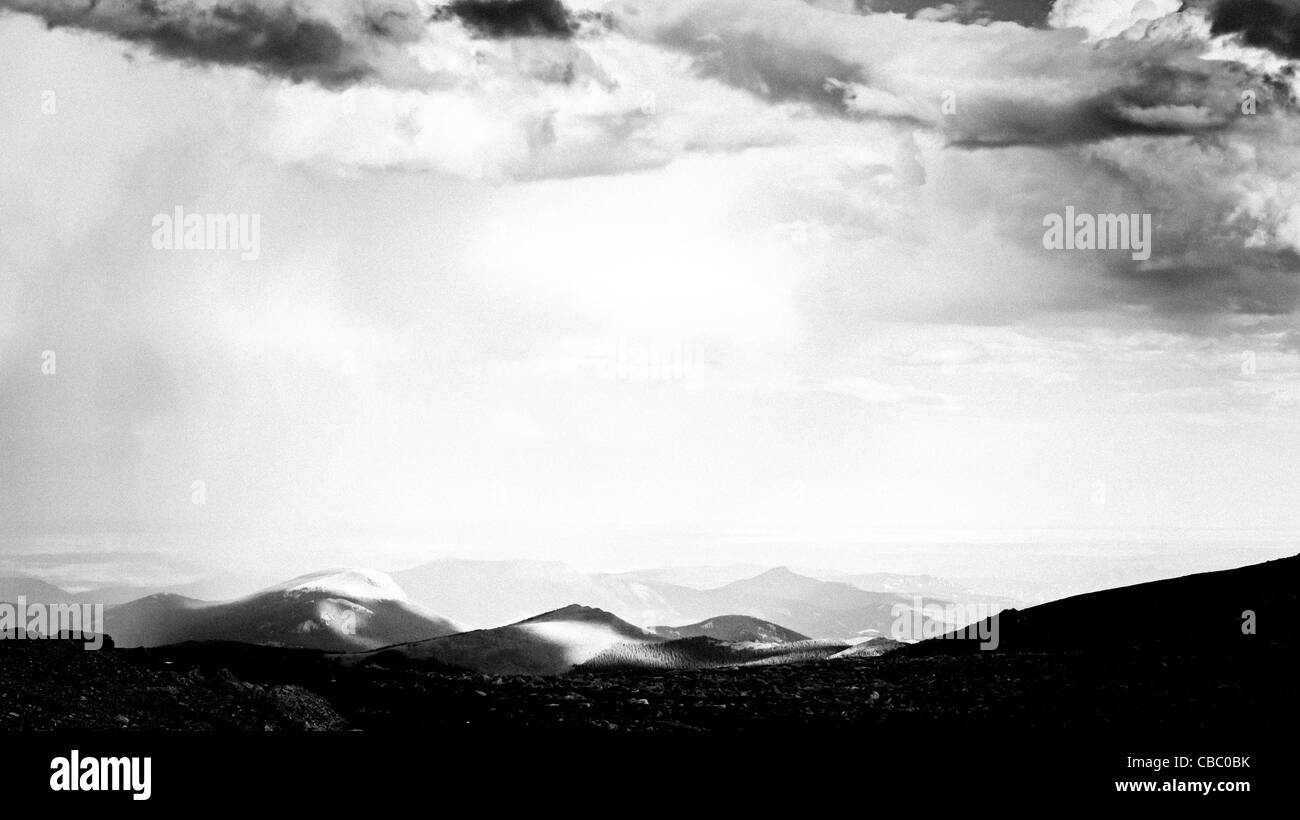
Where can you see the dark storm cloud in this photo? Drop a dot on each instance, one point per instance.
(275, 39)
(359, 42)
(1156, 101)
(776, 71)
(1206, 283)
(512, 18)
(1270, 24)
(1155, 91)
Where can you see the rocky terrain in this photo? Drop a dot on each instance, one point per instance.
(53, 685)
(1081, 664)
(241, 687)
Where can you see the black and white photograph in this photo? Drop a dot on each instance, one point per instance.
(601, 400)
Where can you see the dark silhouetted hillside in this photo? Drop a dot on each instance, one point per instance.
(1203, 611)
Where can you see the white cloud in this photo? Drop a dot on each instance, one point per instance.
(1109, 18)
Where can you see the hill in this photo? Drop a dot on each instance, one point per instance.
(492, 593)
(34, 590)
(733, 628)
(872, 648)
(827, 610)
(708, 653)
(336, 610)
(1178, 614)
(488, 594)
(548, 644)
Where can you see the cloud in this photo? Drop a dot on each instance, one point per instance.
(533, 108)
(485, 89)
(1254, 283)
(549, 87)
(513, 18)
(1134, 119)
(1012, 85)
(1109, 18)
(979, 12)
(337, 44)
(876, 393)
(775, 183)
(1269, 24)
(334, 43)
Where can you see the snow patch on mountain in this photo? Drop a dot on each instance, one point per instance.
(356, 584)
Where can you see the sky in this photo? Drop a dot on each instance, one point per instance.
(647, 282)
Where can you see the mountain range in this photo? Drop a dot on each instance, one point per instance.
(578, 636)
(733, 629)
(357, 610)
(1197, 651)
(490, 593)
(547, 644)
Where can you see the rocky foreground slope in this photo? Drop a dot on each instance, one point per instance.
(1076, 666)
(241, 687)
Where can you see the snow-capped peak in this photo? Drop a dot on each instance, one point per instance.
(357, 584)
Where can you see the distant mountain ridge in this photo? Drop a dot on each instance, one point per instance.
(486, 594)
(926, 586)
(219, 587)
(33, 589)
(366, 617)
(491, 593)
(733, 629)
(820, 609)
(482, 594)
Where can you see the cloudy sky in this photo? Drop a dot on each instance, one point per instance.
(640, 282)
